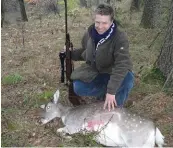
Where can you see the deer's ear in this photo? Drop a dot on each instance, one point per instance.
(56, 97)
(42, 106)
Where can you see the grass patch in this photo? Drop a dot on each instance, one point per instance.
(168, 129)
(46, 95)
(11, 125)
(12, 79)
(38, 99)
(154, 77)
(145, 89)
(11, 139)
(81, 140)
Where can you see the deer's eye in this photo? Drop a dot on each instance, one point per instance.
(48, 107)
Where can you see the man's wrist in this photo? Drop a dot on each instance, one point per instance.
(110, 94)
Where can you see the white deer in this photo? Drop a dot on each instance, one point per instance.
(114, 128)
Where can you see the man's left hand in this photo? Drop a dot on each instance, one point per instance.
(110, 102)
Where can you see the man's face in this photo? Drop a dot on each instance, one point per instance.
(102, 23)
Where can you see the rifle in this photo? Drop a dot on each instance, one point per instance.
(65, 57)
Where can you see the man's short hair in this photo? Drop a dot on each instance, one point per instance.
(105, 9)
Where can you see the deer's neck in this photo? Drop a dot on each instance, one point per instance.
(63, 109)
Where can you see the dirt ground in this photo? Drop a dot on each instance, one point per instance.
(31, 50)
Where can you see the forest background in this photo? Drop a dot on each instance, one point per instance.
(33, 34)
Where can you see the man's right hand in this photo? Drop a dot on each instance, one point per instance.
(110, 102)
(65, 48)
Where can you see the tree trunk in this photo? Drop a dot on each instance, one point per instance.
(135, 5)
(23, 11)
(151, 14)
(169, 83)
(83, 3)
(165, 59)
(91, 3)
(97, 2)
(109, 2)
(2, 12)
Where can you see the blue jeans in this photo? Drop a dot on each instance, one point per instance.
(98, 87)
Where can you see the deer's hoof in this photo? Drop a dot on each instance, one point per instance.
(60, 130)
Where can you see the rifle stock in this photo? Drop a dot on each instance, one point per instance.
(73, 98)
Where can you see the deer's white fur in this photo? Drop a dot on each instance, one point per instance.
(115, 128)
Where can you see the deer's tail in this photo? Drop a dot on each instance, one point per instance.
(159, 138)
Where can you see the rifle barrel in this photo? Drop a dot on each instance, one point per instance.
(66, 31)
(73, 98)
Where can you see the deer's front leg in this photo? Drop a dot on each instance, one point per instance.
(63, 131)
